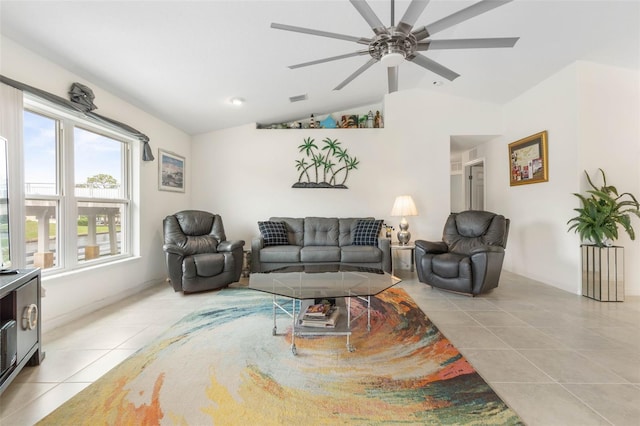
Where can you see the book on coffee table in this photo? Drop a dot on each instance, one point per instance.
(318, 310)
(326, 321)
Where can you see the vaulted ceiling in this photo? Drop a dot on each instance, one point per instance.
(184, 60)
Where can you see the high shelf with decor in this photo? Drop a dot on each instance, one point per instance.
(20, 322)
(603, 273)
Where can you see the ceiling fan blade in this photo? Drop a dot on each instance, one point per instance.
(361, 40)
(357, 73)
(411, 15)
(458, 17)
(433, 66)
(332, 58)
(392, 75)
(369, 15)
(468, 43)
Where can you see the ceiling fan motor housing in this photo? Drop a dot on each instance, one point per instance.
(394, 42)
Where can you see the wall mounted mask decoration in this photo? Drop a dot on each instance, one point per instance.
(327, 166)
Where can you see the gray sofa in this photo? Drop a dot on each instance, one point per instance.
(317, 240)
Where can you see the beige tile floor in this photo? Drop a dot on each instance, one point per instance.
(554, 357)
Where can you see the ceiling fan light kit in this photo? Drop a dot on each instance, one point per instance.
(393, 44)
(392, 59)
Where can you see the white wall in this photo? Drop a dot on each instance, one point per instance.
(591, 115)
(71, 295)
(246, 174)
(609, 118)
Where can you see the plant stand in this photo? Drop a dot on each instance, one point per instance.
(603, 273)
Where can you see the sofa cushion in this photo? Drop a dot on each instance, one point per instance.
(367, 232)
(321, 231)
(347, 225)
(277, 254)
(360, 254)
(273, 233)
(451, 265)
(320, 254)
(295, 229)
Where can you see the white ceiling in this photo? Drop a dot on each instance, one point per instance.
(183, 60)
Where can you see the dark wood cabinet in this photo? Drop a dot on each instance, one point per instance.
(20, 314)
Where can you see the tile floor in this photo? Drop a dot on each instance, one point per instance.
(554, 357)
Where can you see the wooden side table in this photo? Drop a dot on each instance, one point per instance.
(396, 246)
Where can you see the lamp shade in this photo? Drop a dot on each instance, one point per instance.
(404, 206)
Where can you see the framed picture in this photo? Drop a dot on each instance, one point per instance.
(528, 160)
(170, 171)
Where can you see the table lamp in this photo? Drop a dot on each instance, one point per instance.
(404, 206)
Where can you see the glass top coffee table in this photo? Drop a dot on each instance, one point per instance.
(308, 284)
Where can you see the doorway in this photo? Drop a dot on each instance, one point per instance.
(474, 186)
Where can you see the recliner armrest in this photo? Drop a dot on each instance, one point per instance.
(173, 249)
(432, 246)
(486, 249)
(230, 245)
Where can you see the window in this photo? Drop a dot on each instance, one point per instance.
(77, 191)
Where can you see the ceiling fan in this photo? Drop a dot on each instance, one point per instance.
(395, 43)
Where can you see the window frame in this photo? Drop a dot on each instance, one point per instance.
(68, 202)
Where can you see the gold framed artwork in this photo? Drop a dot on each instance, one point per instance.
(529, 160)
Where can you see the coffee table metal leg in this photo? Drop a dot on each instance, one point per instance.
(368, 313)
(293, 328)
(275, 327)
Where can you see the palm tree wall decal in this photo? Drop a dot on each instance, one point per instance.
(332, 159)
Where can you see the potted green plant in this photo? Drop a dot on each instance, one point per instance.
(602, 212)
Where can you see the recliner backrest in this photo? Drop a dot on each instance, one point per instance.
(194, 231)
(467, 230)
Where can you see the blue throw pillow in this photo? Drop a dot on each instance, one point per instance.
(273, 233)
(366, 232)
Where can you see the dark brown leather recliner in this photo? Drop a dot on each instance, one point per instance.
(469, 257)
(197, 255)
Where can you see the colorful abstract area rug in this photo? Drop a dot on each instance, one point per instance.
(224, 366)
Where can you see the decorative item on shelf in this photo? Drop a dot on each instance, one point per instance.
(377, 121)
(597, 224)
(404, 206)
(312, 122)
(328, 123)
(349, 121)
(370, 120)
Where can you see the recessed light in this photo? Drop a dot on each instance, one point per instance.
(236, 101)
